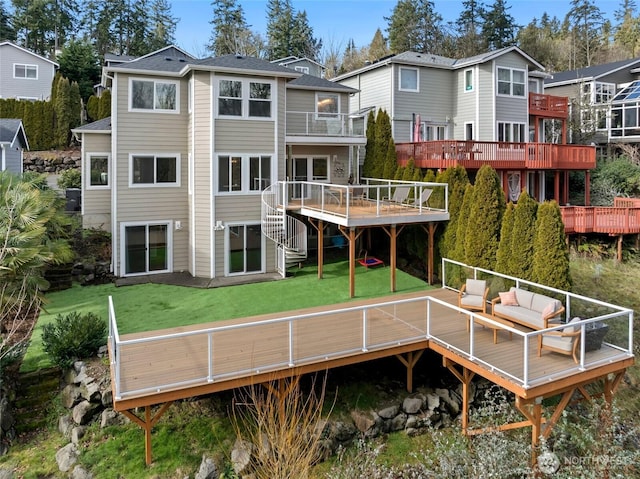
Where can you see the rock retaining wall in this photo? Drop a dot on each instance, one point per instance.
(51, 162)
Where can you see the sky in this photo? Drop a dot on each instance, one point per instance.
(337, 21)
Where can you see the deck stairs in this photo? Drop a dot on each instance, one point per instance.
(289, 233)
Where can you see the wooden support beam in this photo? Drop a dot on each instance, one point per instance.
(587, 188)
(147, 424)
(394, 237)
(410, 361)
(352, 262)
(564, 401)
(465, 378)
(620, 248)
(430, 229)
(319, 227)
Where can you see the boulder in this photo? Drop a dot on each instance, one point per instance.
(70, 396)
(433, 401)
(412, 405)
(65, 424)
(67, 457)
(107, 398)
(84, 411)
(241, 456)
(342, 431)
(208, 469)
(80, 472)
(6, 473)
(363, 421)
(450, 400)
(91, 391)
(78, 433)
(389, 412)
(398, 423)
(110, 418)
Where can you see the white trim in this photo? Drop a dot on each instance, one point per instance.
(26, 66)
(473, 80)
(18, 47)
(169, 257)
(323, 115)
(245, 172)
(525, 84)
(473, 130)
(212, 166)
(417, 88)
(154, 110)
(155, 156)
(115, 266)
(87, 176)
(244, 98)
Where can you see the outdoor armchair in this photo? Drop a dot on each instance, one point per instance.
(473, 295)
(563, 341)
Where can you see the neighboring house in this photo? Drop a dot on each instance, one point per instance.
(13, 142)
(303, 65)
(178, 171)
(490, 108)
(24, 75)
(605, 100)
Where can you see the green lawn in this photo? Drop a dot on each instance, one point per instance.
(150, 307)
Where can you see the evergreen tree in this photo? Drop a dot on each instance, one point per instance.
(43, 26)
(93, 107)
(504, 247)
(457, 181)
(382, 138)
(289, 32)
(524, 227)
(369, 155)
(415, 25)
(541, 40)
(7, 32)
(304, 44)
(459, 251)
(409, 170)
(63, 113)
(468, 27)
(585, 19)
(550, 257)
(138, 28)
(79, 62)
(627, 30)
(499, 28)
(391, 161)
(483, 230)
(75, 107)
(162, 27)
(378, 47)
(228, 24)
(54, 86)
(104, 106)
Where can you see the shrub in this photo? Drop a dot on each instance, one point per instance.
(69, 179)
(73, 336)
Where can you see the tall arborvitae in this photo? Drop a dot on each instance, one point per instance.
(457, 181)
(54, 86)
(63, 113)
(104, 107)
(550, 255)
(483, 230)
(524, 224)
(409, 170)
(93, 107)
(383, 136)
(458, 252)
(504, 247)
(370, 149)
(390, 162)
(48, 140)
(30, 119)
(75, 106)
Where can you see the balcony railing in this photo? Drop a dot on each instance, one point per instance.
(300, 123)
(612, 220)
(501, 155)
(548, 105)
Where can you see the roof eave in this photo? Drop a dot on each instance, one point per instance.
(322, 88)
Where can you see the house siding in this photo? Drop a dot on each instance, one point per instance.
(96, 203)
(485, 128)
(13, 157)
(374, 89)
(11, 87)
(161, 133)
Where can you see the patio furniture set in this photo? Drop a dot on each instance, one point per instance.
(532, 310)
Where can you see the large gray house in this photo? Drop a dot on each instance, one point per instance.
(24, 75)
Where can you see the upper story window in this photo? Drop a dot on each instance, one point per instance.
(154, 170)
(98, 171)
(20, 70)
(243, 173)
(468, 80)
(154, 95)
(604, 92)
(327, 105)
(245, 98)
(302, 69)
(511, 82)
(409, 79)
(511, 132)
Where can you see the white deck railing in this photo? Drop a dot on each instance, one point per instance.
(366, 322)
(304, 123)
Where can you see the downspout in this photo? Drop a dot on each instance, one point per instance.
(115, 251)
(212, 163)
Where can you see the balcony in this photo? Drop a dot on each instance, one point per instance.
(323, 128)
(500, 155)
(548, 106)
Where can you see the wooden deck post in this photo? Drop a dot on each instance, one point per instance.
(352, 262)
(465, 378)
(394, 237)
(147, 424)
(410, 361)
(320, 248)
(587, 188)
(430, 253)
(556, 187)
(620, 248)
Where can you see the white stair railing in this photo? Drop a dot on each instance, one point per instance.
(290, 234)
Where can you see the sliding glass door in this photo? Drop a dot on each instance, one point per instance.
(244, 250)
(146, 248)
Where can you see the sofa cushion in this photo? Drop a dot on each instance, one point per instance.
(523, 296)
(471, 300)
(509, 298)
(476, 286)
(521, 315)
(539, 302)
(574, 328)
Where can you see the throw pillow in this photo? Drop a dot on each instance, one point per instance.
(509, 298)
(550, 308)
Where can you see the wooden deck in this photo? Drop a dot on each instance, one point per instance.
(162, 366)
(612, 220)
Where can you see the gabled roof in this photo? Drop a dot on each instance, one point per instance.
(242, 64)
(293, 59)
(114, 58)
(311, 82)
(438, 61)
(100, 126)
(591, 73)
(12, 129)
(11, 44)
(166, 60)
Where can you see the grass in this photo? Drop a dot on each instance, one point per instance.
(151, 307)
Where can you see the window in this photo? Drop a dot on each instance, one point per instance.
(408, 79)
(511, 82)
(302, 69)
(21, 70)
(511, 132)
(98, 171)
(245, 98)
(155, 170)
(604, 92)
(468, 80)
(327, 105)
(154, 95)
(243, 173)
